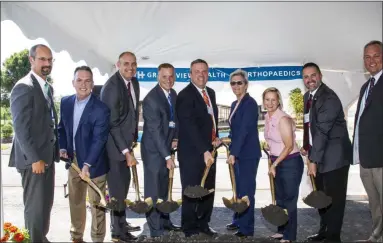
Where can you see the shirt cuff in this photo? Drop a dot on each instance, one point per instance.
(125, 151)
(87, 164)
(167, 157)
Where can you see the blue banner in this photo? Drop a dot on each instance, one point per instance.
(145, 74)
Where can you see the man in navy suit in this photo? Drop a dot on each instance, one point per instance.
(83, 132)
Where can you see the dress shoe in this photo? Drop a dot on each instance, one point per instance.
(173, 227)
(316, 237)
(132, 228)
(231, 227)
(209, 231)
(240, 234)
(190, 234)
(128, 237)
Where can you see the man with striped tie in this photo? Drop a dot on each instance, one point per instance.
(159, 137)
(197, 115)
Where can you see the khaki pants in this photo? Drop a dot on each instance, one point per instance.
(373, 183)
(77, 203)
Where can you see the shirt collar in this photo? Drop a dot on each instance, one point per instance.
(198, 88)
(84, 101)
(126, 81)
(313, 92)
(165, 92)
(41, 81)
(377, 76)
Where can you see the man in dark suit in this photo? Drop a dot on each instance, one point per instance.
(83, 132)
(329, 150)
(159, 137)
(121, 94)
(197, 114)
(368, 136)
(35, 146)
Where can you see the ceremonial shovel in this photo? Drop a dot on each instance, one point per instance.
(112, 205)
(138, 206)
(235, 204)
(316, 199)
(272, 213)
(199, 191)
(169, 206)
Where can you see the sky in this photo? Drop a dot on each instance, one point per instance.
(13, 40)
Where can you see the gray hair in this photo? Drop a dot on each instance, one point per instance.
(242, 73)
(374, 42)
(32, 51)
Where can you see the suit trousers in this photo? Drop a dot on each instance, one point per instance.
(118, 185)
(77, 204)
(196, 212)
(156, 186)
(38, 198)
(287, 180)
(373, 183)
(334, 185)
(245, 178)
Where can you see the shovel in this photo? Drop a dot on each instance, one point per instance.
(316, 199)
(235, 204)
(169, 206)
(138, 206)
(273, 213)
(111, 205)
(199, 191)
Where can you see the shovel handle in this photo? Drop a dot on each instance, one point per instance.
(233, 184)
(311, 176)
(135, 181)
(271, 178)
(91, 183)
(207, 168)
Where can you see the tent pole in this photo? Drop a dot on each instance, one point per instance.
(1, 203)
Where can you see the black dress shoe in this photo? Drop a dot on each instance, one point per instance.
(231, 227)
(316, 237)
(132, 228)
(240, 234)
(190, 234)
(173, 227)
(128, 237)
(209, 231)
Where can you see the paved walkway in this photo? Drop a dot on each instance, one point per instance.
(357, 221)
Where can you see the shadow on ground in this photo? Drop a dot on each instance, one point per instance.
(356, 225)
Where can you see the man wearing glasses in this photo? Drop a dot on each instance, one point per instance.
(35, 145)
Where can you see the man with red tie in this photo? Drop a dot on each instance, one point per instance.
(328, 147)
(197, 114)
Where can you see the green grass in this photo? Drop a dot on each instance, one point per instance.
(5, 146)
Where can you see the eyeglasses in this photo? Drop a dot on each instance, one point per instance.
(232, 83)
(43, 59)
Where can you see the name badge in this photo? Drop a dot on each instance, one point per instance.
(172, 124)
(306, 118)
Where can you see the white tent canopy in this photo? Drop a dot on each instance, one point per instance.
(226, 34)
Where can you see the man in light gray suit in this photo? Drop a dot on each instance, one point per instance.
(159, 137)
(35, 144)
(121, 94)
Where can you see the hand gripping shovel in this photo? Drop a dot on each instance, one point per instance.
(199, 191)
(238, 205)
(272, 213)
(138, 206)
(169, 206)
(111, 205)
(316, 199)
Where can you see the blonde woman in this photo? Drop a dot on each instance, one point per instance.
(287, 167)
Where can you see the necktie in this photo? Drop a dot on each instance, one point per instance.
(171, 108)
(306, 125)
(129, 91)
(372, 83)
(206, 99)
(48, 94)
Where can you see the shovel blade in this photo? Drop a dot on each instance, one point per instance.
(228, 203)
(275, 215)
(241, 205)
(318, 200)
(167, 206)
(197, 192)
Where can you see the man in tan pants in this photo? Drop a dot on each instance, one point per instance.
(83, 132)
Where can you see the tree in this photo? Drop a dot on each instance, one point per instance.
(14, 68)
(296, 101)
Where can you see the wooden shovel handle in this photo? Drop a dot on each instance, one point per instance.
(311, 176)
(207, 168)
(271, 178)
(233, 184)
(135, 181)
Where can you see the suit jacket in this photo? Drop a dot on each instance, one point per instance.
(195, 129)
(244, 129)
(123, 117)
(371, 127)
(91, 135)
(35, 131)
(157, 137)
(331, 145)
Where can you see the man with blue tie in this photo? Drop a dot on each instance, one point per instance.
(83, 132)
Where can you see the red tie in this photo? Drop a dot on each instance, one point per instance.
(306, 125)
(206, 99)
